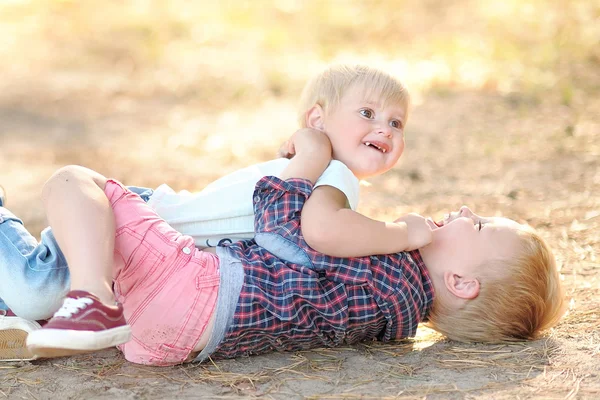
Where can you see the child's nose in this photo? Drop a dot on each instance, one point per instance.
(384, 130)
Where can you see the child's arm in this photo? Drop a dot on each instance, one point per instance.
(312, 154)
(332, 229)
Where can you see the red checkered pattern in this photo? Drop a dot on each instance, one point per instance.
(329, 302)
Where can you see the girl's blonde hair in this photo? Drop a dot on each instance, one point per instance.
(327, 88)
(518, 298)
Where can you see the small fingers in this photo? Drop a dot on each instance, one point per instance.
(286, 150)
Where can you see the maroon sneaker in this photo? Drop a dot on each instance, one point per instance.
(83, 324)
(13, 334)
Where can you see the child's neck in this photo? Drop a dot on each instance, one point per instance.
(434, 267)
(437, 265)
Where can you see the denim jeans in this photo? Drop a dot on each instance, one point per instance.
(34, 276)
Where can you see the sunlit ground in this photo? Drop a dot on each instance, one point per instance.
(425, 338)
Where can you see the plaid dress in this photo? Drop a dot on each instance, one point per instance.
(294, 298)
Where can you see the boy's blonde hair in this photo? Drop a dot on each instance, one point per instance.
(518, 298)
(327, 88)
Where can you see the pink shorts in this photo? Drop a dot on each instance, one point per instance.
(168, 288)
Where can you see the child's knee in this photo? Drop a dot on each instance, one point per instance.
(62, 175)
(70, 177)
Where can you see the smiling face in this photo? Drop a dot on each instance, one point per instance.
(365, 134)
(494, 279)
(464, 241)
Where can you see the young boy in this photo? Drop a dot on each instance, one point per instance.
(362, 110)
(178, 303)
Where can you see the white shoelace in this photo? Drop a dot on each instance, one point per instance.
(71, 306)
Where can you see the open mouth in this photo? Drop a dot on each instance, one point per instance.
(433, 224)
(378, 146)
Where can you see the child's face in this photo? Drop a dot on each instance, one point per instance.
(467, 240)
(365, 136)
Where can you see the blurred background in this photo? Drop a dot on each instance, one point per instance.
(505, 114)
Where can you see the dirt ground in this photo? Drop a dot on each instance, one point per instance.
(531, 156)
(535, 162)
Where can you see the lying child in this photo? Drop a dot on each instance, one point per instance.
(472, 278)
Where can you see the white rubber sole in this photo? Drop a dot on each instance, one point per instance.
(50, 343)
(13, 337)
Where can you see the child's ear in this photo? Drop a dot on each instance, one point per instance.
(315, 118)
(461, 287)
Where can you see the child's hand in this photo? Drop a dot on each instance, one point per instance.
(284, 150)
(306, 140)
(312, 154)
(419, 232)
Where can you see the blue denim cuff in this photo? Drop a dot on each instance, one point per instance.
(6, 215)
(143, 192)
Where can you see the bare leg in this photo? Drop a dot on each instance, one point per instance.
(83, 223)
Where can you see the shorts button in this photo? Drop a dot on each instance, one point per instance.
(186, 250)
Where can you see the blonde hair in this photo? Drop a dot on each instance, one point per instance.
(526, 299)
(327, 88)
